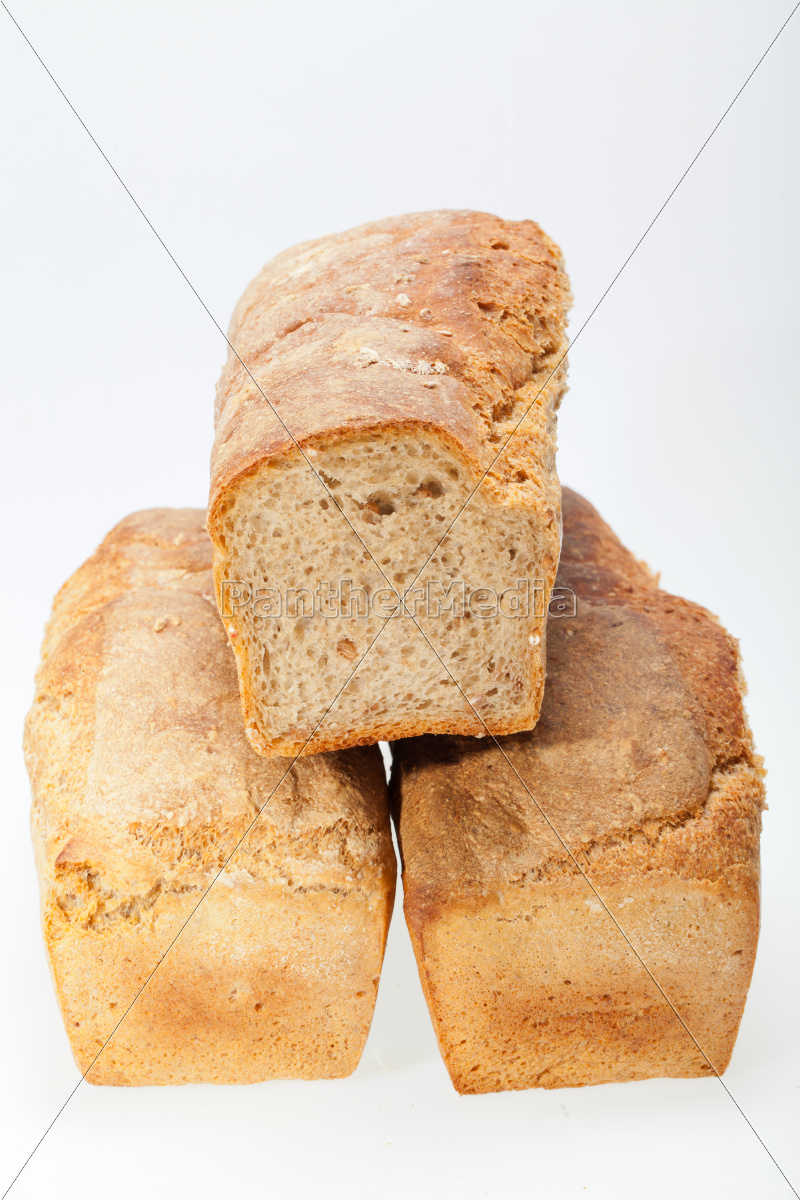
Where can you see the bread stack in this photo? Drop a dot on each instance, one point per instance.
(210, 812)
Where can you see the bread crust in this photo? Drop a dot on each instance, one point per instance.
(450, 323)
(644, 791)
(301, 324)
(143, 785)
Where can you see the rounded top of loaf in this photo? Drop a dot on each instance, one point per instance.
(135, 741)
(642, 721)
(452, 321)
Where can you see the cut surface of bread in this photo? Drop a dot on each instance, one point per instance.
(144, 786)
(359, 465)
(584, 899)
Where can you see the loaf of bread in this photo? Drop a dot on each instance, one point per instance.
(551, 878)
(400, 357)
(143, 785)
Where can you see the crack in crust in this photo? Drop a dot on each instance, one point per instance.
(84, 900)
(732, 807)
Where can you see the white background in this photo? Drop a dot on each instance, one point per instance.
(241, 128)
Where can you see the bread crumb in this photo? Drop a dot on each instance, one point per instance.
(425, 314)
(403, 300)
(160, 624)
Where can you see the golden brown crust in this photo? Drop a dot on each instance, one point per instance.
(143, 785)
(641, 774)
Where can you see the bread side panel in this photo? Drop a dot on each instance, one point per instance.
(261, 984)
(540, 989)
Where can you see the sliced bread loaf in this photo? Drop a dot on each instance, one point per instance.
(377, 375)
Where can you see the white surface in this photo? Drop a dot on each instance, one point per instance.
(242, 128)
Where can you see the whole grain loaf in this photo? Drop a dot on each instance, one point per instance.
(144, 785)
(374, 381)
(556, 881)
